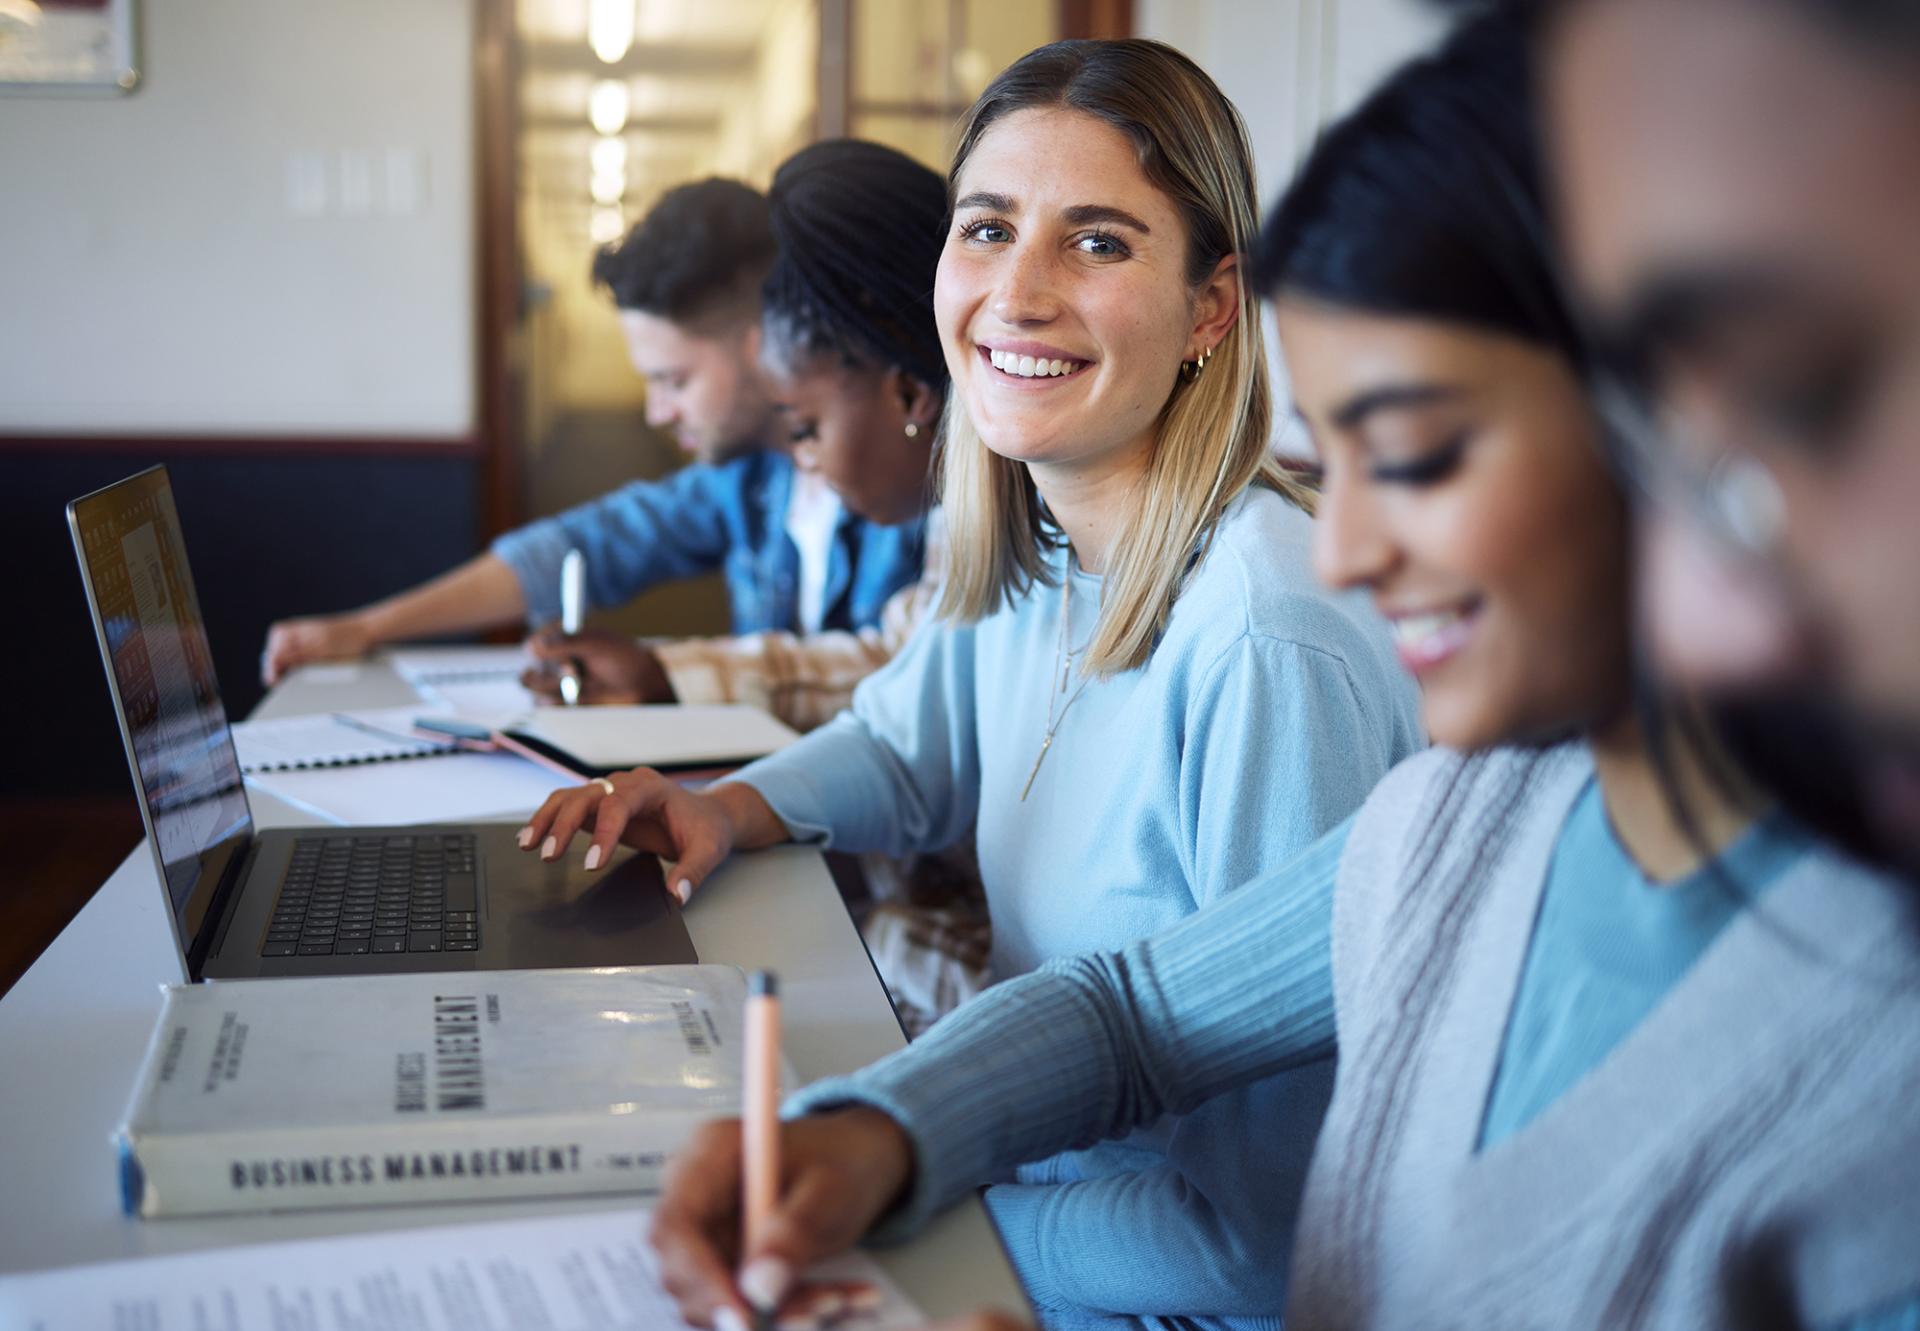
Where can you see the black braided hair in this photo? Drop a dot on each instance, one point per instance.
(860, 228)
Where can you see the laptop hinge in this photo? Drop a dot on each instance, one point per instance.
(226, 904)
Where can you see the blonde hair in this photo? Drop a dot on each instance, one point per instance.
(1211, 439)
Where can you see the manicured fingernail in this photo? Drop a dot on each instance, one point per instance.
(829, 1304)
(593, 857)
(549, 848)
(525, 837)
(864, 1299)
(727, 1318)
(684, 890)
(765, 1282)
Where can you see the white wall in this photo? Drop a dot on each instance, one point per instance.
(1291, 65)
(272, 236)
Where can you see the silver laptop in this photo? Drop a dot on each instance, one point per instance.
(332, 901)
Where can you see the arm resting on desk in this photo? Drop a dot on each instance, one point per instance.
(482, 593)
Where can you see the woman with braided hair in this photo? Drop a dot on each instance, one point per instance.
(1136, 692)
(851, 362)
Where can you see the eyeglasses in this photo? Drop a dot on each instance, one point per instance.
(1725, 491)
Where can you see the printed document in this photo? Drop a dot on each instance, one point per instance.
(558, 1273)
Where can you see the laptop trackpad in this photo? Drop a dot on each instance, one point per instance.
(562, 915)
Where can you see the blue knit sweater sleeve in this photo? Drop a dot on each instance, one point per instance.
(1090, 1047)
(898, 771)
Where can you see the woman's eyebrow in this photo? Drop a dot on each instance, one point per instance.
(999, 203)
(1357, 408)
(1080, 214)
(1085, 214)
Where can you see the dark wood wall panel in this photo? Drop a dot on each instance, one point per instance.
(270, 532)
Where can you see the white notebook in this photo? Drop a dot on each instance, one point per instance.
(667, 735)
(460, 787)
(332, 739)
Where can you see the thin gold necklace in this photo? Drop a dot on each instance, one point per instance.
(1062, 667)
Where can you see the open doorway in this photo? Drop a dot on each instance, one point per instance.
(593, 108)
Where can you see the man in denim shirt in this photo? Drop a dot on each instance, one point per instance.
(687, 284)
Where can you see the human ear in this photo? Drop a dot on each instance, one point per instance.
(1215, 306)
(919, 401)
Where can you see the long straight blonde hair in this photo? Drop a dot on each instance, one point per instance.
(1211, 440)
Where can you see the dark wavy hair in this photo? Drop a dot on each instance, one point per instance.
(859, 228)
(698, 255)
(1427, 199)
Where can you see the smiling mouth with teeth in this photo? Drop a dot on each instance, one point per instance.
(1032, 367)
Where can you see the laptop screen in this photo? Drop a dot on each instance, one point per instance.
(155, 644)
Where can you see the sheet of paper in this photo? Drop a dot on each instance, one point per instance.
(422, 666)
(452, 788)
(335, 674)
(329, 739)
(560, 1273)
(494, 702)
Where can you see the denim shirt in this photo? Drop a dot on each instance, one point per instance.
(731, 517)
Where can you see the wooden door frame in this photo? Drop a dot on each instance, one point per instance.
(498, 368)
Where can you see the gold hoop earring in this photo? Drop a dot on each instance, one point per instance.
(913, 431)
(1192, 369)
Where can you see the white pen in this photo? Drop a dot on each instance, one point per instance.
(573, 604)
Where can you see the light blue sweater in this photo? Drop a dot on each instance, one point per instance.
(1266, 713)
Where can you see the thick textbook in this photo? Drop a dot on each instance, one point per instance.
(391, 1089)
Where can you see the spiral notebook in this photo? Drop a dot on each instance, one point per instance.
(588, 739)
(333, 739)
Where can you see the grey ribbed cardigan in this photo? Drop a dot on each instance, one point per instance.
(1748, 1156)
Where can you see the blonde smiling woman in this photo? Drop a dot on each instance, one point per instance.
(1136, 693)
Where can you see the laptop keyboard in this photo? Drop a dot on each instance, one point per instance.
(348, 895)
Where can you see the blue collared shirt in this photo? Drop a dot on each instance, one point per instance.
(730, 517)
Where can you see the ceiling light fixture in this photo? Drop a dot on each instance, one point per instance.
(609, 186)
(610, 29)
(606, 224)
(607, 106)
(609, 157)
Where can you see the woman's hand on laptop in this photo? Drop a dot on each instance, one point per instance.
(658, 816)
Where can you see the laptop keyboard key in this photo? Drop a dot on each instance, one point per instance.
(460, 892)
(376, 894)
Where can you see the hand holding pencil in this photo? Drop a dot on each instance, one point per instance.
(747, 1207)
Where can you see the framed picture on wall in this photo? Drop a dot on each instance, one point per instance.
(67, 46)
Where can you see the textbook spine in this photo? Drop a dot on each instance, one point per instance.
(204, 1173)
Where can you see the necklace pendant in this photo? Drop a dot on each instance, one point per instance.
(1039, 758)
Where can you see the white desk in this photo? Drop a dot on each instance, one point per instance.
(73, 1029)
